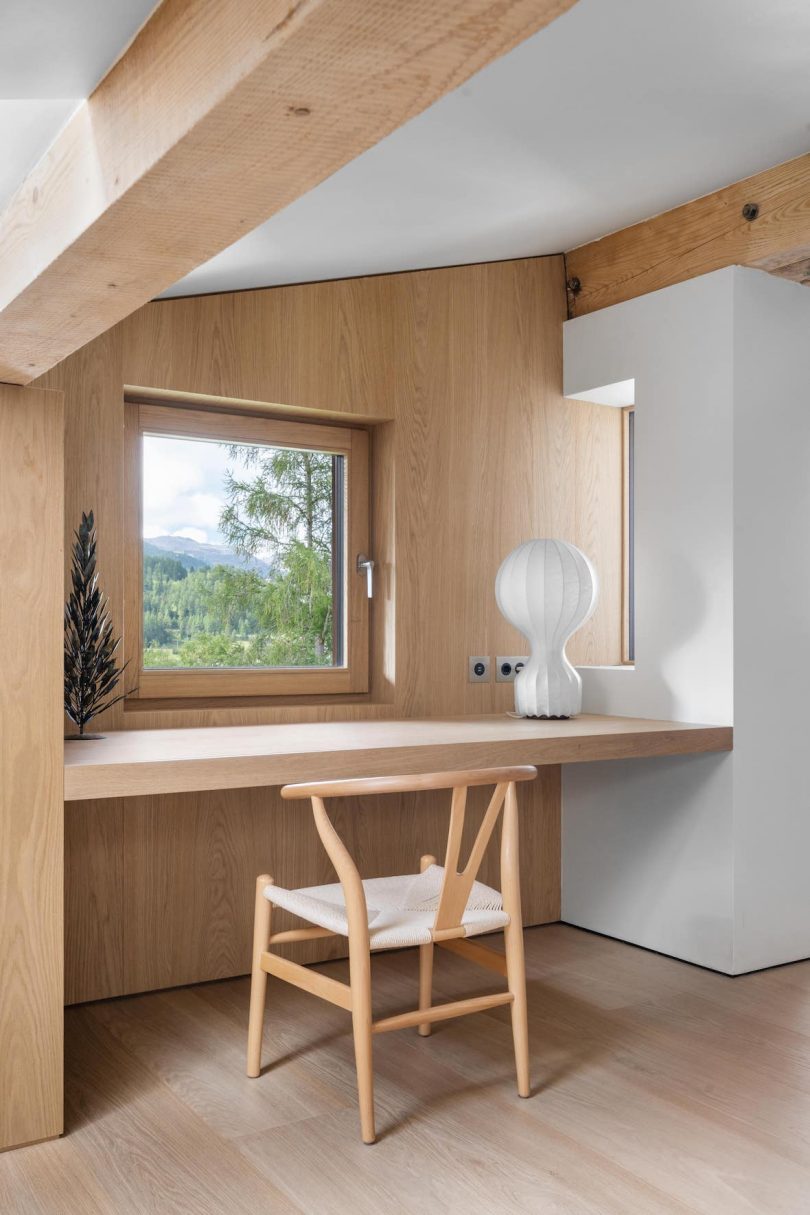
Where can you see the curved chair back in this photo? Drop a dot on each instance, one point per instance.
(457, 882)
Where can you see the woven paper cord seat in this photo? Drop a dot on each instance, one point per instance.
(401, 910)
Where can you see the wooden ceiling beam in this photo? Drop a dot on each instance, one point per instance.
(773, 234)
(219, 114)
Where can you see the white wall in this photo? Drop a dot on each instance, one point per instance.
(706, 858)
(647, 845)
(772, 620)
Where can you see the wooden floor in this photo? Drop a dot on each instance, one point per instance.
(659, 1088)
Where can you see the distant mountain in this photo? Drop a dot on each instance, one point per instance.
(195, 556)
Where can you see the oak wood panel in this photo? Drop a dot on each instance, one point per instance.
(474, 450)
(31, 772)
(701, 236)
(458, 374)
(135, 762)
(92, 383)
(219, 114)
(98, 930)
(175, 891)
(243, 428)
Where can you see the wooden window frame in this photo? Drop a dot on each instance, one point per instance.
(628, 539)
(234, 427)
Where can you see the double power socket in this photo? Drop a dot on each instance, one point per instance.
(479, 668)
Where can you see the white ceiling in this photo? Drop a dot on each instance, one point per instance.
(52, 55)
(618, 110)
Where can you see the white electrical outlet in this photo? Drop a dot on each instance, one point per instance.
(506, 668)
(478, 669)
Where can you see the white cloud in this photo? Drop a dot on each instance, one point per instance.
(182, 488)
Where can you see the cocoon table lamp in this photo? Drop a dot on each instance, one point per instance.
(547, 589)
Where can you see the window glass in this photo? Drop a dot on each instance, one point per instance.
(241, 555)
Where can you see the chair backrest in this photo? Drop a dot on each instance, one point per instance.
(457, 884)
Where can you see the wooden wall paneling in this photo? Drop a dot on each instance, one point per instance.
(474, 449)
(96, 929)
(321, 346)
(165, 899)
(92, 383)
(482, 447)
(597, 522)
(31, 772)
(419, 523)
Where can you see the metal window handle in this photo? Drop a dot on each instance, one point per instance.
(366, 564)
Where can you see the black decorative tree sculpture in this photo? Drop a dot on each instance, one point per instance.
(91, 670)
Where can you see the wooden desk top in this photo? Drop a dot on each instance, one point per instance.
(135, 762)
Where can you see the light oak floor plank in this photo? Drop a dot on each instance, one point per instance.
(660, 1089)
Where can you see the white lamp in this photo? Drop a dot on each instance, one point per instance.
(547, 589)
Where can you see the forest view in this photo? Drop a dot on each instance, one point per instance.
(254, 587)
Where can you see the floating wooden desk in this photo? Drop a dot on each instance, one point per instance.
(135, 762)
(166, 829)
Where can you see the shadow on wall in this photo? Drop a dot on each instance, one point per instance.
(676, 606)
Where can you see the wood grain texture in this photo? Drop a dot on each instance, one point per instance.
(136, 762)
(219, 114)
(165, 897)
(442, 1012)
(701, 236)
(474, 449)
(448, 922)
(446, 779)
(31, 775)
(661, 1089)
(458, 374)
(93, 389)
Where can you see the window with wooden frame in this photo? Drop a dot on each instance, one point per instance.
(628, 535)
(243, 538)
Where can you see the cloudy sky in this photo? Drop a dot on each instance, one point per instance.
(183, 491)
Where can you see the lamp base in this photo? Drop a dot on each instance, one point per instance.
(548, 716)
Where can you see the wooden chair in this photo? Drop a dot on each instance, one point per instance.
(438, 906)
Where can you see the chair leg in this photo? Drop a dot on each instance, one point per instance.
(425, 964)
(360, 977)
(513, 939)
(516, 977)
(425, 984)
(258, 978)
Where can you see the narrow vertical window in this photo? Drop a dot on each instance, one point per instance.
(629, 530)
